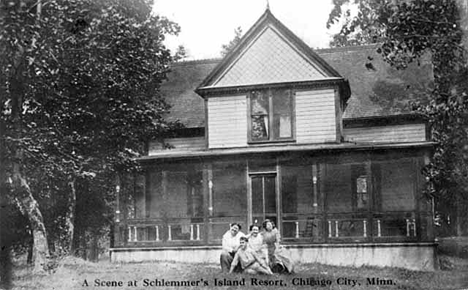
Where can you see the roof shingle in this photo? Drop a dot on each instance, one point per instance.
(377, 89)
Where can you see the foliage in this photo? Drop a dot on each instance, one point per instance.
(226, 48)
(181, 53)
(405, 31)
(86, 76)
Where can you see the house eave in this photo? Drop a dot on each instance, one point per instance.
(208, 91)
(286, 148)
(388, 120)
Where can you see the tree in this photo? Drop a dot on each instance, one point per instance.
(405, 31)
(79, 100)
(180, 54)
(226, 48)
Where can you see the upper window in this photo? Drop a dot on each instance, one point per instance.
(271, 115)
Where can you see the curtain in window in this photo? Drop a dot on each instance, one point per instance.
(260, 111)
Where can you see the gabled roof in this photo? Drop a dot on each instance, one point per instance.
(377, 89)
(268, 53)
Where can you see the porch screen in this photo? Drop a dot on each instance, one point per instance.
(184, 203)
(140, 198)
(337, 187)
(155, 204)
(299, 202)
(297, 196)
(184, 192)
(229, 190)
(395, 183)
(346, 187)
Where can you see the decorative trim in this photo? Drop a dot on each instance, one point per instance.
(327, 148)
(206, 92)
(263, 21)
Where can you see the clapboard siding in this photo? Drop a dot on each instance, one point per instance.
(315, 116)
(227, 122)
(178, 145)
(391, 133)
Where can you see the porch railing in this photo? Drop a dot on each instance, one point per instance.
(159, 232)
(395, 226)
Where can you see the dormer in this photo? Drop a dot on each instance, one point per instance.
(272, 88)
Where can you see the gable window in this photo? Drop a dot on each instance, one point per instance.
(271, 115)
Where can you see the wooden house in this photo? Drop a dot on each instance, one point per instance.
(321, 142)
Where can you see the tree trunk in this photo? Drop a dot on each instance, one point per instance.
(25, 201)
(70, 216)
(94, 251)
(5, 265)
(84, 245)
(29, 206)
(5, 242)
(30, 258)
(5, 229)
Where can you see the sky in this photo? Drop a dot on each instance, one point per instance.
(208, 24)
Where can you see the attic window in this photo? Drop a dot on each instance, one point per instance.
(270, 115)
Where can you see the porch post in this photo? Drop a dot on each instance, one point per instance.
(321, 185)
(207, 200)
(315, 187)
(279, 198)
(429, 209)
(316, 233)
(147, 193)
(418, 195)
(249, 194)
(123, 208)
(370, 194)
(117, 213)
(164, 222)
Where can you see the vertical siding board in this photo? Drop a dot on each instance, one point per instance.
(293, 116)
(393, 133)
(316, 120)
(227, 121)
(338, 116)
(207, 128)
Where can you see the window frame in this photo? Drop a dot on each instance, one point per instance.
(271, 138)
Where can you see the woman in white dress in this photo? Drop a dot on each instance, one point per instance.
(256, 242)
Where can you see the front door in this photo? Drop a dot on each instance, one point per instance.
(264, 204)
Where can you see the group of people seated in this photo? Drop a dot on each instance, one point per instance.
(259, 252)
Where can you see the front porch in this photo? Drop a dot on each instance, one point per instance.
(364, 208)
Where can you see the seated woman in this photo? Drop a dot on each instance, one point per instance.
(230, 244)
(256, 242)
(250, 262)
(279, 258)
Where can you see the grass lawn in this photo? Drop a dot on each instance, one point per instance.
(72, 274)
